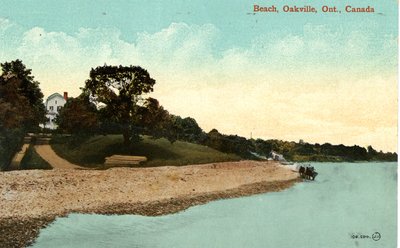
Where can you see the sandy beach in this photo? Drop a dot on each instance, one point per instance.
(32, 199)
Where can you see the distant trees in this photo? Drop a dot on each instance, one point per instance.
(263, 147)
(118, 89)
(381, 156)
(296, 151)
(229, 143)
(371, 152)
(325, 152)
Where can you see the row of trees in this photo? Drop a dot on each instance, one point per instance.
(21, 107)
(112, 102)
(325, 152)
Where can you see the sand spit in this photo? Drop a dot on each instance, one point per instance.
(29, 200)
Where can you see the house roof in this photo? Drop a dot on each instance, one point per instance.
(54, 95)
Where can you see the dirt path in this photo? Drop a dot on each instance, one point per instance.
(16, 161)
(48, 154)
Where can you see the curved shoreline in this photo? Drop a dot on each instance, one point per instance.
(22, 231)
(31, 199)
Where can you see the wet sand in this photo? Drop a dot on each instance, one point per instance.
(32, 199)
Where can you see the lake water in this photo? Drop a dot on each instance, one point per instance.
(346, 200)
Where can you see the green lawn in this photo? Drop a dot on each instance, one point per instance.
(160, 152)
(317, 158)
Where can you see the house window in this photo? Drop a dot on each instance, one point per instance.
(58, 108)
(56, 101)
(51, 108)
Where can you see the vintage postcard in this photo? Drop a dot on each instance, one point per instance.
(175, 123)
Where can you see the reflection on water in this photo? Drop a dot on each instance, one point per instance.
(345, 207)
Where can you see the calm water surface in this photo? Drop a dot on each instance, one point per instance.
(347, 199)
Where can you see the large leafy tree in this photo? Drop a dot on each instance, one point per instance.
(29, 88)
(21, 107)
(154, 119)
(14, 110)
(158, 122)
(118, 89)
(78, 116)
(188, 129)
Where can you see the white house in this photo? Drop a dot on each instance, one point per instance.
(276, 156)
(53, 104)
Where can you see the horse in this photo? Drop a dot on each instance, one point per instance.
(308, 172)
(302, 170)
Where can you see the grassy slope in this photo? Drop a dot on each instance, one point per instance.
(317, 158)
(160, 152)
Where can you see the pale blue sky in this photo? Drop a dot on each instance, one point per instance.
(230, 17)
(318, 77)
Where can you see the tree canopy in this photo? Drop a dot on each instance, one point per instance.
(28, 88)
(78, 116)
(13, 106)
(155, 120)
(118, 89)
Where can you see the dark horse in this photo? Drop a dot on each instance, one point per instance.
(308, 172)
